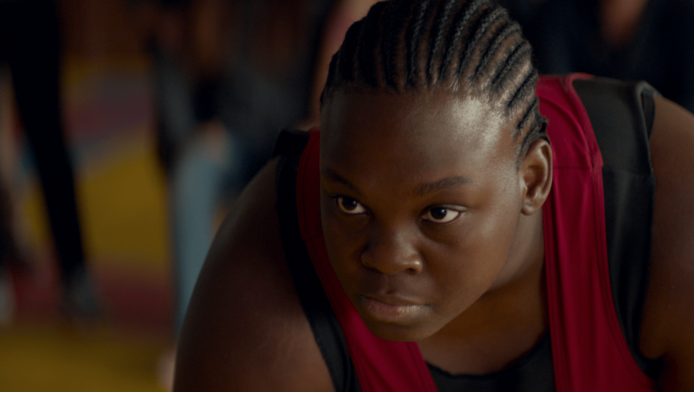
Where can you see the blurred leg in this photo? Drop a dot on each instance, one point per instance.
(199, 176)
(6, 298)
(35, 68)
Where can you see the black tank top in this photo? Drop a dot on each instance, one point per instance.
(628, 181)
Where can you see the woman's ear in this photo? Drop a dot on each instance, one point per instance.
(536, 176)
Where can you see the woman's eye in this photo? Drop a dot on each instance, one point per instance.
(349, 205)
(441, 214)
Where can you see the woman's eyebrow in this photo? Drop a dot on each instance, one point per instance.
(422, 189)
(332, 175)
(438, 185)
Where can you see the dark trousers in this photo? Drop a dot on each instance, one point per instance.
(30, 46)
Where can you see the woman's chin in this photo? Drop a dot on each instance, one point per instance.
(400, 332)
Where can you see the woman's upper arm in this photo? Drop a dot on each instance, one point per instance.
(667, 324)
(245, 329)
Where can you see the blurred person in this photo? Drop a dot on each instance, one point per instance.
(225, 85)
(30, 46)
(458, 222)
(650, 40)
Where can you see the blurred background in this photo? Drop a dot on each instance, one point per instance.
(90, 55)
(127, 127)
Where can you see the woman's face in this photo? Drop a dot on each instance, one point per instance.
(420, 203)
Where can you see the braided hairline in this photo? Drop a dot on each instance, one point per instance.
(463, 46)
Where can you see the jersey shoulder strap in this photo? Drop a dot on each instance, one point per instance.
(629, 183)
(589, 350)
(329, 337)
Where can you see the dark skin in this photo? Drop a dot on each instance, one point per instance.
(441, 232)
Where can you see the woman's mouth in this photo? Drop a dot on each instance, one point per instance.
(390, 309)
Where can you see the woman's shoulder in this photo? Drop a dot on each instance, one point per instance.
(646, 142)
(667, 324)
(245, 328)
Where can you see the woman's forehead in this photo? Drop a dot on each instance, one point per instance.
(427, 133)
(428, 117)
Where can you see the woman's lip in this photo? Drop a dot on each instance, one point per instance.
(390, 309)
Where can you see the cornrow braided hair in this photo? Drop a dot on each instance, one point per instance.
(462, 46)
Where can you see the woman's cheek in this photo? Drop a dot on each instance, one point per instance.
(343, 242)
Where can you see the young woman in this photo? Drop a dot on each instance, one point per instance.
(456, 225)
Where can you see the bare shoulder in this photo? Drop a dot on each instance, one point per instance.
(667, 325)
(245, 328)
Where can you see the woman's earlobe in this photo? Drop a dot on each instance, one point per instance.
(536, 172)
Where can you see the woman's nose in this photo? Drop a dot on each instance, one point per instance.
(391, 252)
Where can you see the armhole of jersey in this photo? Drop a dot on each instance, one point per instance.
(325, 327)
(628, 183)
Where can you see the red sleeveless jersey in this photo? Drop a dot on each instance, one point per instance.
(589, 350)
